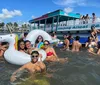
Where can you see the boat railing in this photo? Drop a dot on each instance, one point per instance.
(79, 24)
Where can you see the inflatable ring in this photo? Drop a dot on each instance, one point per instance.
(32, 36)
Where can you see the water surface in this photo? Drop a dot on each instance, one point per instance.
(82, 69)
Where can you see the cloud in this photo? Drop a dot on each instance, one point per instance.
(33, 16)
(9, 14)
(68, 10)
(75, 3)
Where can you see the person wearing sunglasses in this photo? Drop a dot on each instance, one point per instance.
(32, 67)
(51, 54)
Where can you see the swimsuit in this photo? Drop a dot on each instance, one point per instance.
(49, 53)
(92, 45)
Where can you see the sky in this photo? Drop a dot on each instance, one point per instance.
(25, 10)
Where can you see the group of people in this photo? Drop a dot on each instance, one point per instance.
(84, 19)
(92, 44)
(76, 45)
(34, 65)
(39, 66)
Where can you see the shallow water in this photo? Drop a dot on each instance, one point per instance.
(82, 69)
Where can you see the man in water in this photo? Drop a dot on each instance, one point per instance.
(76, 44)
(32, 67)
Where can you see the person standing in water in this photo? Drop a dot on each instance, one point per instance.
(76, 45)
(66, 43)
(32, 67)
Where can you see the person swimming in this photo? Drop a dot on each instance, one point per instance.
(66, 43)
(91, 45)
(32, 67)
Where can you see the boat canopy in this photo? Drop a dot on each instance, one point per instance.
(53, 16)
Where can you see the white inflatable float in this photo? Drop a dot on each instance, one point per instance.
(12, 55)
(32, 36)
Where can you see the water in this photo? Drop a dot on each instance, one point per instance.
(82, 69)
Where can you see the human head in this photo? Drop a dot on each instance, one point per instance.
(5, 45)
(27, 44)
(65, 36)
(90, 39)
(21, 45)
(25, 34)
(93, 14)
(39, 39)
(86, 14)
(46, 43)
(34, 56)
(92, 28)
(77, 37)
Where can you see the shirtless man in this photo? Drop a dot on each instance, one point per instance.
(76, 44)
(32, 67)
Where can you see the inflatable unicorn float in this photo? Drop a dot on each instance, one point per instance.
(13, 56)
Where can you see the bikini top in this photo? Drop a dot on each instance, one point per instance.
(49, 53)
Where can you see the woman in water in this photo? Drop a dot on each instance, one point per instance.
(28, 47)
(32, 67)
(94, 33)
(51, 54)
(91, 45)
(39, 40)
(21, 46)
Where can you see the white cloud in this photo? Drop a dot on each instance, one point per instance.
(33, 17)
(9, 14)
(68, 10)
(74, 3)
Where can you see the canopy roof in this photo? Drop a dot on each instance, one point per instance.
(62, 17)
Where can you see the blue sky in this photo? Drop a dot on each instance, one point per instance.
(24, 10)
